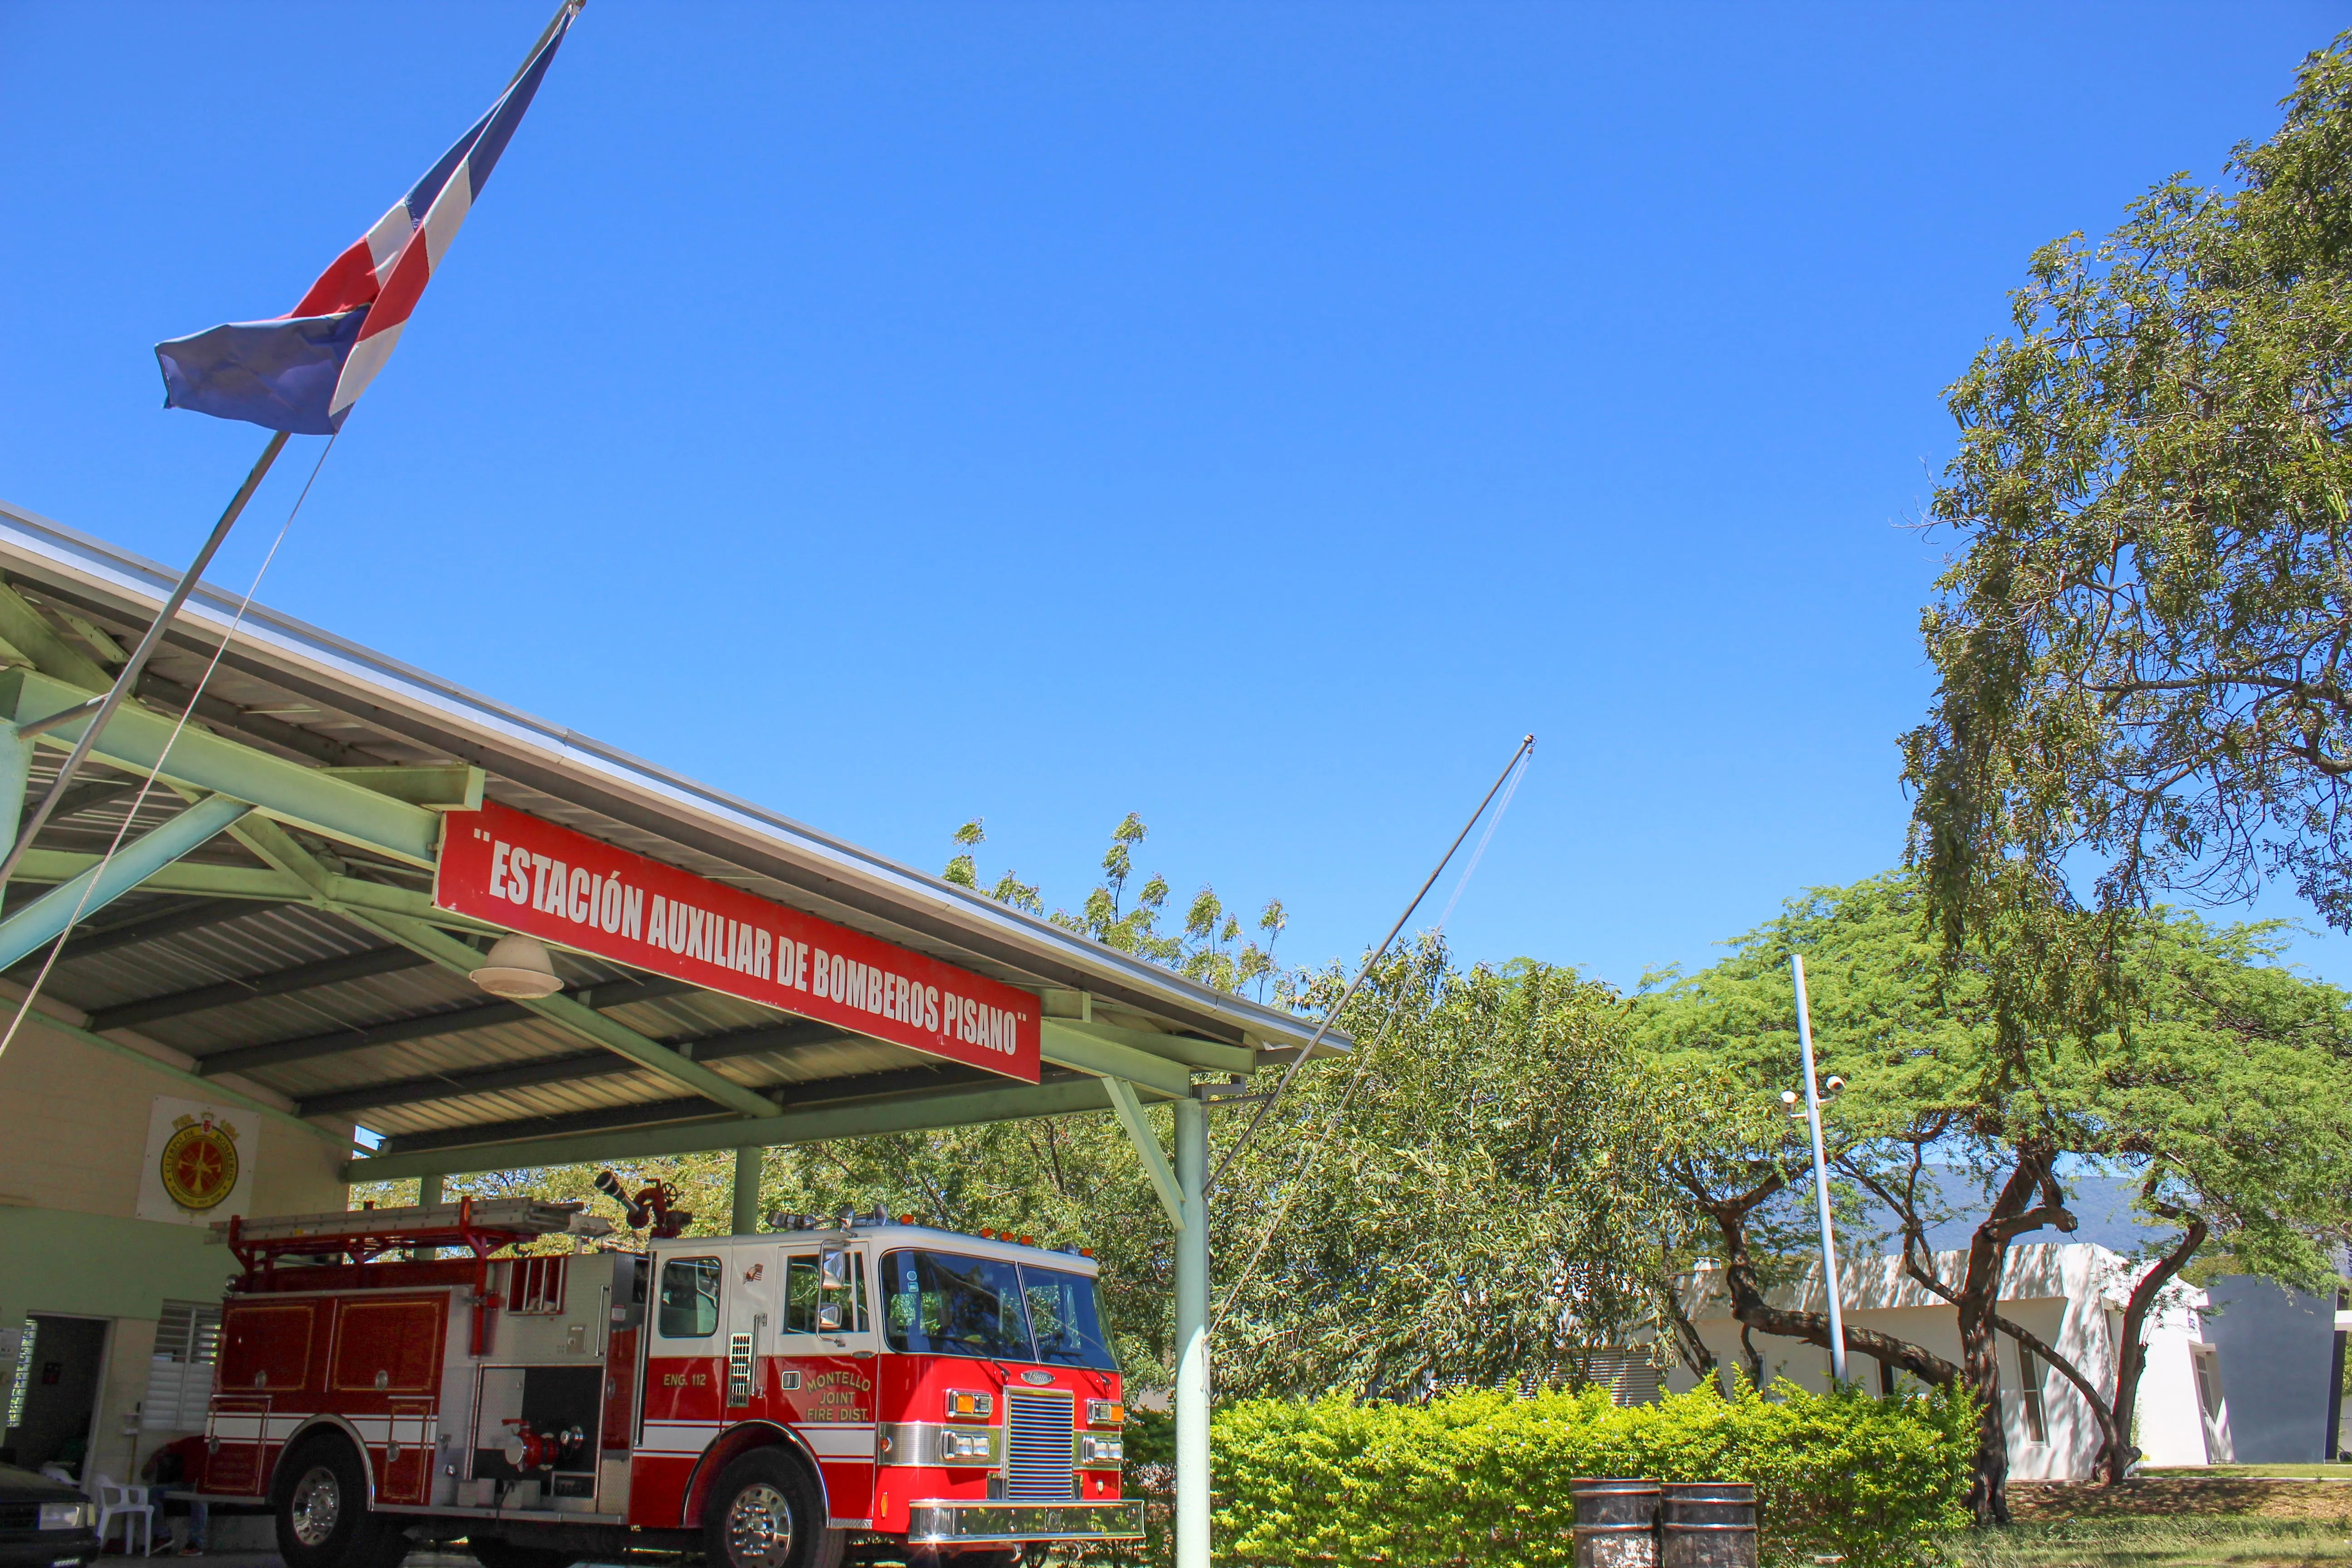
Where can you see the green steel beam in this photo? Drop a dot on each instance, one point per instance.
(1210, 1056)
(1064, 1046)
(439, 787)
(47, 916)
(908, 1113)
(262, 885)
(15, 772)
(200, 881)
(23, 628)
(585, 1022)
(306, 796)
(1147, 1148)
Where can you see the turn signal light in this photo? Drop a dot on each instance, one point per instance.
(967, 1407)
(1105, 1412)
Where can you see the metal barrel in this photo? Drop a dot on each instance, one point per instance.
(1707, 1524)
(1616, 1523)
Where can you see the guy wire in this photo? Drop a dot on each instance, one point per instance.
(98, 873)
(1526, 746)
(1313, 1149)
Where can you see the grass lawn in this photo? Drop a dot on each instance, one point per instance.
(2255, 1516)
(2156, 1543)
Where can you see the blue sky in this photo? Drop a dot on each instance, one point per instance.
(1253, 416)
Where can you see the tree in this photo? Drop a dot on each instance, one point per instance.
(1474, 1196)
(2144, 644)
(1211, 947)
(2226, 1094)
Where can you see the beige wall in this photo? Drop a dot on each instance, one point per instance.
(73, 1137)
(73, 1132)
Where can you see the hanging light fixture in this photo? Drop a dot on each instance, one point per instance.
(518, 967)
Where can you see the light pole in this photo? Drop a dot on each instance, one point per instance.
(1820, 1173)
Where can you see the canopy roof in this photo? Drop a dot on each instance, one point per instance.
(295, 961)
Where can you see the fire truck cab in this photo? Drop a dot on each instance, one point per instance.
(824, 1393)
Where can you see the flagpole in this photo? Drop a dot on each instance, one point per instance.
(1821, 1173)
(100, 708)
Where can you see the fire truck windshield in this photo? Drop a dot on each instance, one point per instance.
(1063, 1321)
(940, 1303)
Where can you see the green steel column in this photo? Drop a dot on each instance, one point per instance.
(428, 1194)
(16, 771)
(747, 1190)
(1193, 1337)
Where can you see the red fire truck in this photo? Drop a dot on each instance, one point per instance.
(850, 1391)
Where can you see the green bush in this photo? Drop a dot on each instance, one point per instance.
(1482, 1478)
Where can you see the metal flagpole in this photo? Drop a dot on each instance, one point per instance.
(1820, 1173)
(99, 710)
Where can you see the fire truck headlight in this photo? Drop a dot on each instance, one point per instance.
(1093, 1450)
(67, 1515)
(1105, 1412)
(963, 1448)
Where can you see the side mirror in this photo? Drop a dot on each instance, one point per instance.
(829, 1318)
(833, 1268)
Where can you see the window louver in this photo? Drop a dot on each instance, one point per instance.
(180, 1377)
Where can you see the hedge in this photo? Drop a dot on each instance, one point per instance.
(1481, 1479)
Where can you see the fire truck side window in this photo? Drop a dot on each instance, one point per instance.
(941, 1304)
(800, 1294)
(690, 1298)
(805, 1292)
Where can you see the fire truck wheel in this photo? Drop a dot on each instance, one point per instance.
(321, 1501)
(763, 1513)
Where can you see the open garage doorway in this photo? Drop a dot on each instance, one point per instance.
(56, 1391)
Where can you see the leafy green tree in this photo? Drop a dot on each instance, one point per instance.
(1473, 1196)
(2226, 1094)
(1210, 946)
(2144, 644)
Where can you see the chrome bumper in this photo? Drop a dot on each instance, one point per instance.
(930, 1523)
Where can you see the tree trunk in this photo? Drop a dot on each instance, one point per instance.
(1687, 1343)
(1748, 1305)
(1979, 1297)
(2131, 1356)
(1914, 1247)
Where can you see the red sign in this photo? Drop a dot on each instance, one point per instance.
(513, 870)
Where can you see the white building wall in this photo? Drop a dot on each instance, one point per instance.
(2069, 1294)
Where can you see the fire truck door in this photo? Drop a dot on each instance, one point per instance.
(825, 1366)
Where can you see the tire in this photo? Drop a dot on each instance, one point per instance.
(497, 1551)
(320, 1502)
(764, 1512)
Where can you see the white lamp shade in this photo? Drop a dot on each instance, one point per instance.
(517, 966)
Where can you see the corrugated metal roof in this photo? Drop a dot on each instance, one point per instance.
(411, 1049)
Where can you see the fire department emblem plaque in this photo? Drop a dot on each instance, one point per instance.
(199, 1163)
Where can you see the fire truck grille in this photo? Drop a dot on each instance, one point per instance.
(1037, 1448)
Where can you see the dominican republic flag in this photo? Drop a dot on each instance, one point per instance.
(302, 372)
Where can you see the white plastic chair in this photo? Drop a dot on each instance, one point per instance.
(128, 1504)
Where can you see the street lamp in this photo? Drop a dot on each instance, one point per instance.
(1821, 1170)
